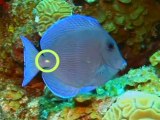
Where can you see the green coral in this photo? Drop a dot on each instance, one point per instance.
(155, 58)
(110, 26)
(48, 12)
(125, 1)
(120, 20)
(90, 1)
(135, 79)
(52, 104)
(135, 14)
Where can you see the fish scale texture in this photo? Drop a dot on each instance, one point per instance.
(68, 25)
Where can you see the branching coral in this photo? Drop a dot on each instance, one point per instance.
(134, 105)
(49, 11)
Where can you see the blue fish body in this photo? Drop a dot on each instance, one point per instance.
(89, 56)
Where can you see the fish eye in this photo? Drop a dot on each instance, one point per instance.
(110, 46)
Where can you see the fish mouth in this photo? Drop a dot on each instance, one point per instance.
(118, 67)
(123, 66)
(111, 67)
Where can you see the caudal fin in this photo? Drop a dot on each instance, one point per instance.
(30, 69)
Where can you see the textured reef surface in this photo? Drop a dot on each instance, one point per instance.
(133, 95)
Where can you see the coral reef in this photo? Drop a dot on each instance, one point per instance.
(15, 104)
(135, 26)
(142, 79)
(15, 100)
(134, 105)
(48, 12)
(50, 103)
(12, 25)
(87, 110)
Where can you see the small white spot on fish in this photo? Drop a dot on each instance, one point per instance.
(88, 61)
(47, 61)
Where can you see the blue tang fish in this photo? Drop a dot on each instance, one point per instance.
(89, 56)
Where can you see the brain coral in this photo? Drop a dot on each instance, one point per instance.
(49, 11)
(134, 105)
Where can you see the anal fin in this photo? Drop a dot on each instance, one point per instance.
(58, 88)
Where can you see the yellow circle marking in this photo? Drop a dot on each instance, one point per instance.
(54, 54)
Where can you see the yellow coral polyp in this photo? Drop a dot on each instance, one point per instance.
(49, 11)
(11, 29)
(134, 105)
(155, 58)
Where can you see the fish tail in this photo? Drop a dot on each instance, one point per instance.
(30, 69)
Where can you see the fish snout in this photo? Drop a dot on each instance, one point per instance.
(124, 64)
